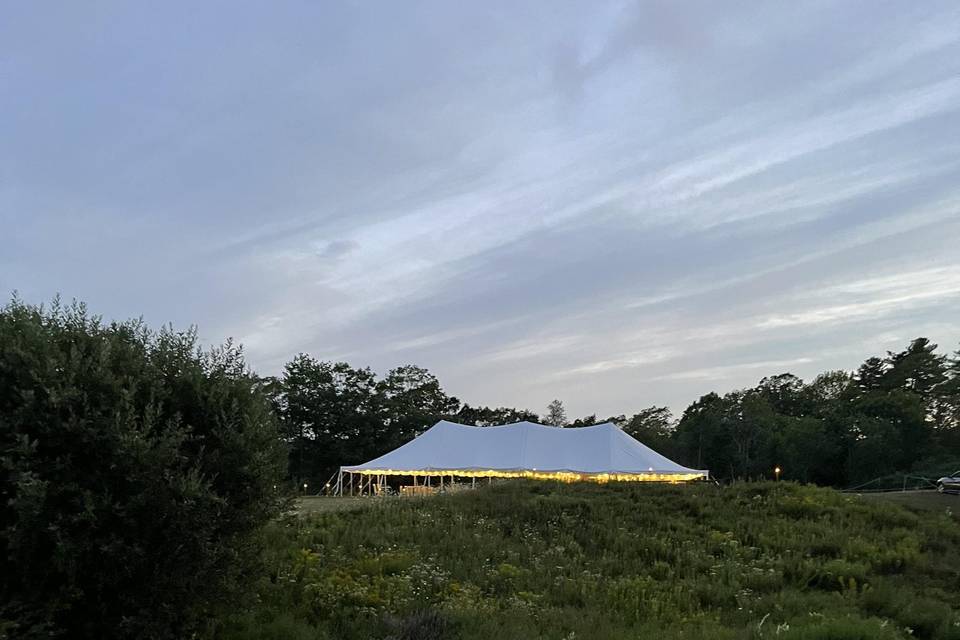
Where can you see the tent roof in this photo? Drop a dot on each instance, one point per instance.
(525, 446)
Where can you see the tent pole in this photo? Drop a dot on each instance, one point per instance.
(340, 483)
(473, 482)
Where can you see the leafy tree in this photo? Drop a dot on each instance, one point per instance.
(890, 433)
(330, 413)
(917, 368)
(486, 416)
(893, 412)
(946, 408)
(830, 398)
(556, 415)
(871, 375)
(334, 414)
(784, 394)
(136, 472)
(753, 422)
(413, 401)
(827, 388)
(702, 438)
(654, 427)
(796, 446)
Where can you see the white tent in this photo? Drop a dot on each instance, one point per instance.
(599, 453)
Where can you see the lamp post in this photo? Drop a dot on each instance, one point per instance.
(776, 473)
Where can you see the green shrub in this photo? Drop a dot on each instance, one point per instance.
(136, 472)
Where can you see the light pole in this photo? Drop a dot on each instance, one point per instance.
(776, 473)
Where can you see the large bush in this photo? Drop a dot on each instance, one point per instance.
(135, 472)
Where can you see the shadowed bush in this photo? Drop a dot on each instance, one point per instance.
(136, 473)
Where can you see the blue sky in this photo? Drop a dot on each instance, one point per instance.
(616, 204)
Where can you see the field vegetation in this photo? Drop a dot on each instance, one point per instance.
(544, 560)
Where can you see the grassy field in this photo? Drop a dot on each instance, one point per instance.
(564, 562)
(921, 501)
(326, 504)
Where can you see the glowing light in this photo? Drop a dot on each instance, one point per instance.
(533, 474)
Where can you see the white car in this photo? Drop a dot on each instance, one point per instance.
(949, 484)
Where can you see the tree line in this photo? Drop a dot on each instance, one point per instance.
(895, 413)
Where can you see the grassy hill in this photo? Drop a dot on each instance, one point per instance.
(543, 560)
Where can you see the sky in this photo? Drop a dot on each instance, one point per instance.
(616, 204)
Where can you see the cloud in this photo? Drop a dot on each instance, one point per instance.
(878, 296)
(724, 372)
(618, 204)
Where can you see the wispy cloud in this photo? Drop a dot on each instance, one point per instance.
(878, 296)
(724, 372)
(615, 204)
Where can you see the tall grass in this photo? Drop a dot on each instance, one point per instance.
(541, 560)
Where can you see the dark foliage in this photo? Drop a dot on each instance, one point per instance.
(334, 414)
(136, 473)
(895, 414)
(488, 416)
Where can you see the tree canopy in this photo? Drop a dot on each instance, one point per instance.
(334, 414)
(893, 414)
